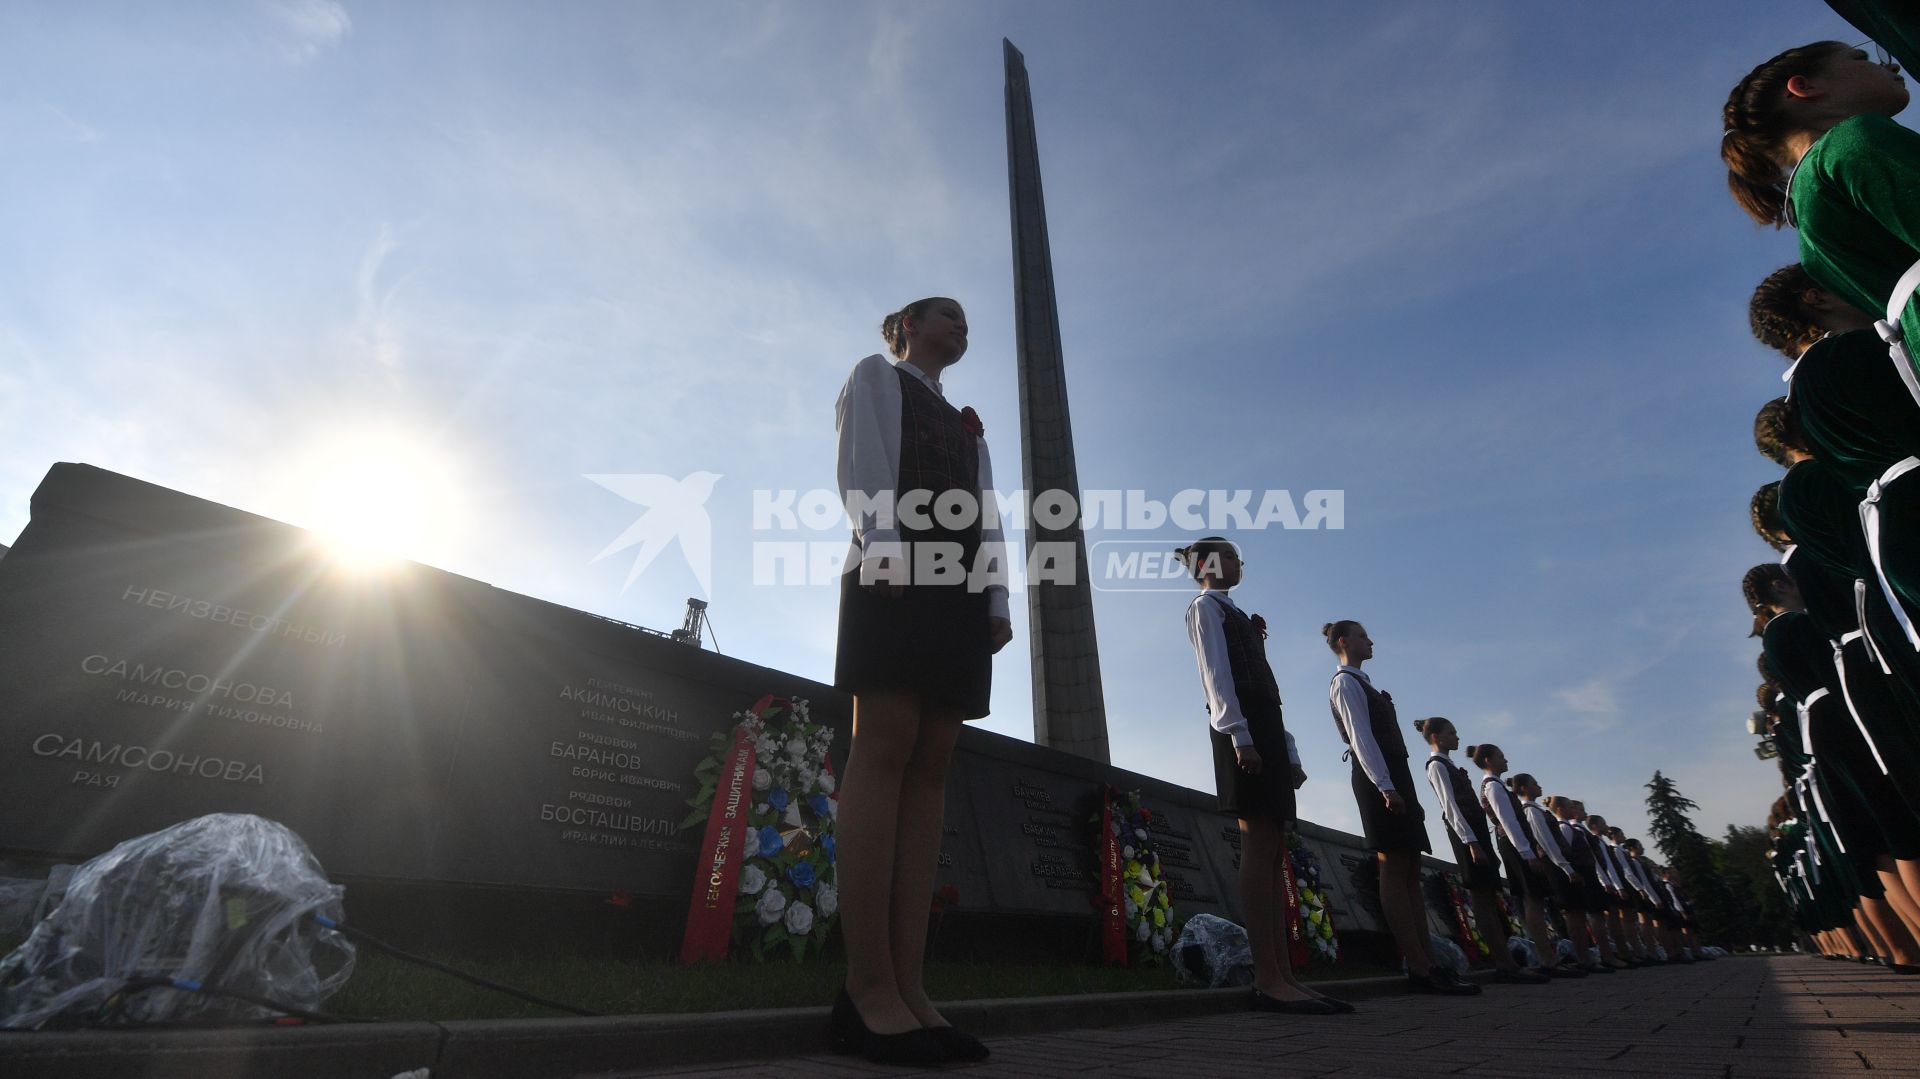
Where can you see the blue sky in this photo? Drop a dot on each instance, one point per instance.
(1473, 264)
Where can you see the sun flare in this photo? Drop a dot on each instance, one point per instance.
(375, 500)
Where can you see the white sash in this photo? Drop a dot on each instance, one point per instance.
(1860, 613)
(1889, 328)
(1840, 665)
(1806, 720)
(1870, 524)
(1820, 806)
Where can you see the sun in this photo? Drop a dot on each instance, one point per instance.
(376, 499)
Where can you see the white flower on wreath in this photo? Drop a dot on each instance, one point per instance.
(1142, 931)
(753, 843)
(796, 749)
(762, 779)
(799, 919)
(771, 906)
(1140, 834)
(1160, 941)
(752, 880)
(766, 747)
(762, 809)
(1132, 908)
(1127, 853)
(826, 899)
(825, 782)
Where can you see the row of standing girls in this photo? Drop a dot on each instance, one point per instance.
(1810, 143)
(1620, 912)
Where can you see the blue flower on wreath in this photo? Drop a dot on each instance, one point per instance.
(826, 844)
(801, 874)
(817, 803)
(777, 798)
(770, 841)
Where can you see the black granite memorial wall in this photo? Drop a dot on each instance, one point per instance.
(166, 657)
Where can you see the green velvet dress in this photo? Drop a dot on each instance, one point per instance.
(1856, 202)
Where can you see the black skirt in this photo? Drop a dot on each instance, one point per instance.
(931, 641)
(1569, 895)
(1269, 794)
(1479, 877)
(1384, 829)
(1523, 881)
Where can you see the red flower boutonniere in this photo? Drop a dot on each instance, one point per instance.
(971, 421)
(1260, 624)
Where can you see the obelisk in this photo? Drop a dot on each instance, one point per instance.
(1069, 709)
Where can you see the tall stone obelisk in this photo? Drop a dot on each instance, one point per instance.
(1069, 709)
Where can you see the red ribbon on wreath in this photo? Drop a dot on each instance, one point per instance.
(716, 884)
(1296, 929)
(1113, 889)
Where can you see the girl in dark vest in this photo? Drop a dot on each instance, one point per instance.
(1390, 813)
(1472, 844)
(915, 652)
(1626, 909)
(1526, 865)
(1654, 900)
(1255, 766)
(1563, 875)
(1569, 813)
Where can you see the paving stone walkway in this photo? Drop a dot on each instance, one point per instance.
(1771, 1017)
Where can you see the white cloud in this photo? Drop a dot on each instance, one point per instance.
(1592, 697)
(309, 27)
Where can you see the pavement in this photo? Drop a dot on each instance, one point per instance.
(1760, 1017)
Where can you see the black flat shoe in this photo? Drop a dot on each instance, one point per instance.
(1596, 968)
(958, 1044)
(1338, 1005)
(1310, 1006)
(1904, 968)
(848, 1034)
(1520, 977)
(1436, 987)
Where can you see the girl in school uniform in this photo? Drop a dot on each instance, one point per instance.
(1473, 849)
(1865, 835)
(1390, 814)
(917, 656)
(1571, 814)
(1256, 767)
(1809, 141)
(1563, 876)
(1659, 917)
(1628, 928)
(1525, 865)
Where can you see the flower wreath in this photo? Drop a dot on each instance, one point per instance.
(1466, 925)
(1146, 898)
(787, 892)
(1316, 915)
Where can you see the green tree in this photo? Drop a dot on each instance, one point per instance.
(1690, 855)
(1761, 914)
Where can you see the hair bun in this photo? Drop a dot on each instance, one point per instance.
(1326, 630)
(1473, 751)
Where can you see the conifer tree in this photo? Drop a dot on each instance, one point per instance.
(1690, 856)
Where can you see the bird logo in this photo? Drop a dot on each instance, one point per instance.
(675, 509)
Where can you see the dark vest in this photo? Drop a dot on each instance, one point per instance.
(1464, 797)
(1381, 720)
(1552, 828)
(1578, 851)
(1500, 790)
(937, 454)
(1253, 680)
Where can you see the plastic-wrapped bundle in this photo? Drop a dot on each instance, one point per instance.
(1524, 953)
(1213, 950)
(1448, 954)
(225, 902)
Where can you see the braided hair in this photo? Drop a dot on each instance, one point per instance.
(1776, 432)
(1779, 316)
(1755, 128)
(1760, 587)
(1764, 512)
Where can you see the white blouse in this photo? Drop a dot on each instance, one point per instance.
(1206, 629)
